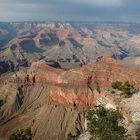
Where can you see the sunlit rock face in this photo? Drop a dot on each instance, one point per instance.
(103, 72)
(51, 72)
(52, 99)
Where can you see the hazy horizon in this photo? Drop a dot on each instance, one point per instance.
(76, 21)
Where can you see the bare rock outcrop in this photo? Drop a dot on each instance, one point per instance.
(52, 101)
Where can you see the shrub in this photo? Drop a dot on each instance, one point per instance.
(117, 85)
(22, 135)
(105, 124)
(127, 88)
(72, 137)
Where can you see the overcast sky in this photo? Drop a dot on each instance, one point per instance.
(70, 10)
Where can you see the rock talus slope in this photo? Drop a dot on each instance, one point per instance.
(51, 101)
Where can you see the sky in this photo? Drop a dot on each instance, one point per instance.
(70, 10)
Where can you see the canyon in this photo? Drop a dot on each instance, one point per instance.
(52, 72)
(82, 42)
(51, 101)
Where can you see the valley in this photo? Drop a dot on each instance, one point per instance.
(52, 72)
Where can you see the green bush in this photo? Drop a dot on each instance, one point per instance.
(22, 135)
(105, 124)
(117, 85)
(72, 137)
(127, 88)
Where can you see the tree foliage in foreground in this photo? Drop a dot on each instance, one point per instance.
(22, 135)
(105, 124)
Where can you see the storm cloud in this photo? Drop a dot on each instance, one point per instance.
(81, 10)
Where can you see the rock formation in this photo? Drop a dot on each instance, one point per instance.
(51, 100)
(50, 73)
(70, 44)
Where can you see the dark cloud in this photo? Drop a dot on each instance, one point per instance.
(112, 10)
